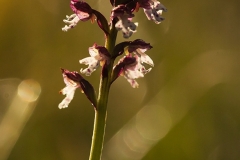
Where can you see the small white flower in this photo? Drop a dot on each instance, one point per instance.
(144, 58)
(71, 21)
(93, 64)
(98, 56)
(126, 25)
(134, 71)
(69, 91)
(139, 47)
(155, 11)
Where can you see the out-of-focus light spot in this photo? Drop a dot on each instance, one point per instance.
(171, 104)
(136, 138)
(29, 90)
(16, 112)
(153, 122)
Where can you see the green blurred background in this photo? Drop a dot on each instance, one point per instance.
(186, 108)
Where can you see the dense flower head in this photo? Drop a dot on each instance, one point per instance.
(132, 66)
(71, 79)
(98, 56)
(124, 23)
(82, 12)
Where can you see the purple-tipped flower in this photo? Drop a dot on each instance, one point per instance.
(139, 47)
(74, 80)
(124, 23)
(71, 79)
(99, 56)
(153, 10)
(132, 69)
(82, 12)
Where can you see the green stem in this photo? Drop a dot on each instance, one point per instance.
(101, 111)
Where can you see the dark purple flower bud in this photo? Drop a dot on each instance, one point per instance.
(74, 76)
(138, 44)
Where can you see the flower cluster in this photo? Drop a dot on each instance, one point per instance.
(132, 65)
(122, 12)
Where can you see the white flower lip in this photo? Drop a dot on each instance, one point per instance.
(126, 25)
(93, 61)
(69, 91)
(134, 71)
(71, 21)
(155, 11)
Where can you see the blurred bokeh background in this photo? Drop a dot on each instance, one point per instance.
(186, 108)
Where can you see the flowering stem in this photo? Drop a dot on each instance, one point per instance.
(101, 109)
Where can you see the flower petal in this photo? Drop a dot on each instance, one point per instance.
(99, 55)
(70, 88)
(69, 92)
(153, 10)
(124, 15)
(144, 57)
(127, 26)
(133, 83)
(71, 21)
(92, 63)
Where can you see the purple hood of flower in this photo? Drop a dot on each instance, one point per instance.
(82, 9)
(74, 76)
(138, 43)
